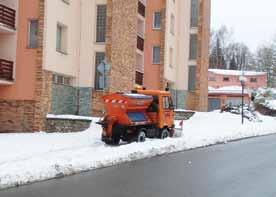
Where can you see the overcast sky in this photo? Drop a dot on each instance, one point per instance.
(253, 21)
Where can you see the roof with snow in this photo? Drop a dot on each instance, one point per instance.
(227, 90)
(236, 72)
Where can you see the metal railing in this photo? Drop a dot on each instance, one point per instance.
(6, 70)
(139, 78)
(141, 9)
(140, 43)
(7, 16)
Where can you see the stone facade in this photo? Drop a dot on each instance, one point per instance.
(16, 116)
(198, 100)
(66, 125)
(163, 81)
(179, 98)
(30, 115)
(43, 84)
(84, 101)
(97, 104)
(70, 100)
(64, 99)
(183, 115)
(121, 45)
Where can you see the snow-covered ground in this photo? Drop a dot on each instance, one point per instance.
(26, 158)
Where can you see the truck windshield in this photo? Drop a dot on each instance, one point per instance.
(167, 102)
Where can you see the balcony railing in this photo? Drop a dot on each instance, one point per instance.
(139, 78)
(140, 43)
(7, 16)
(6, 70)
(141, 9)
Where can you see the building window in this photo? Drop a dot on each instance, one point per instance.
(253, 80)
(156, 55)
(226, 79)
(157, 20)
(172, 24)
(100, 73)
(33, 34)
(194, 12)
(192, 78)
(101, 23)
(61, 42)
(193, 46)
(61, 80)
(171, 57)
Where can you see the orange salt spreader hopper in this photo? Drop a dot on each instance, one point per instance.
(135, 116)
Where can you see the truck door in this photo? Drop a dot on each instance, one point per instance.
(168, 110)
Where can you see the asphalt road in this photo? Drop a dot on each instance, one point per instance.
(244, 168)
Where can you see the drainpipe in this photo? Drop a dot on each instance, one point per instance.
(78, 74)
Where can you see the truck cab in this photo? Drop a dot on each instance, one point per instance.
(162, 109)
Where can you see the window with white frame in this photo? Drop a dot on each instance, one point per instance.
(156, 55)
(172, 24)
(192, 78)
(193, 47)
(101, 23)
(194, 12)
(61, 38)
(62, 80)
(157, 20)
(171, 57)
(100, 72)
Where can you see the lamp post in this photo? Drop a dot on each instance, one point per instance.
(242, 80)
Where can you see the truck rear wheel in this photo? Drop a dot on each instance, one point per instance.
(164, 133)
(141, 137)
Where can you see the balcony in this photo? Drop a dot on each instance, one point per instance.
(141, 9)
(7, 19)
(140, 43)
(139, 78)
(6, 71)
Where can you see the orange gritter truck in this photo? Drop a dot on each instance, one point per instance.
(135, 116)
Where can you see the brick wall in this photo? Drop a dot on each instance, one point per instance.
(30, 115)
(121, 42)
(198, 100)
(163, 81)
(16, 116)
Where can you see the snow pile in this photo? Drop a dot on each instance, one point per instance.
(227, 90)
(266, 97)
(30, 157)
(69, 117)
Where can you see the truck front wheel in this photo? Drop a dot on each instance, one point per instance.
(164, 133)
(141, 137)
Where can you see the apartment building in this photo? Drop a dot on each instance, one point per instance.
(61, 56)
(176, 50)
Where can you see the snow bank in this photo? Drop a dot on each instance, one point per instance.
(227, 90)
(69, 117)
(266, 97)
(30, 157)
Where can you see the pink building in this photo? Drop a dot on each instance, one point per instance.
(221, 78)
(225, 87)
